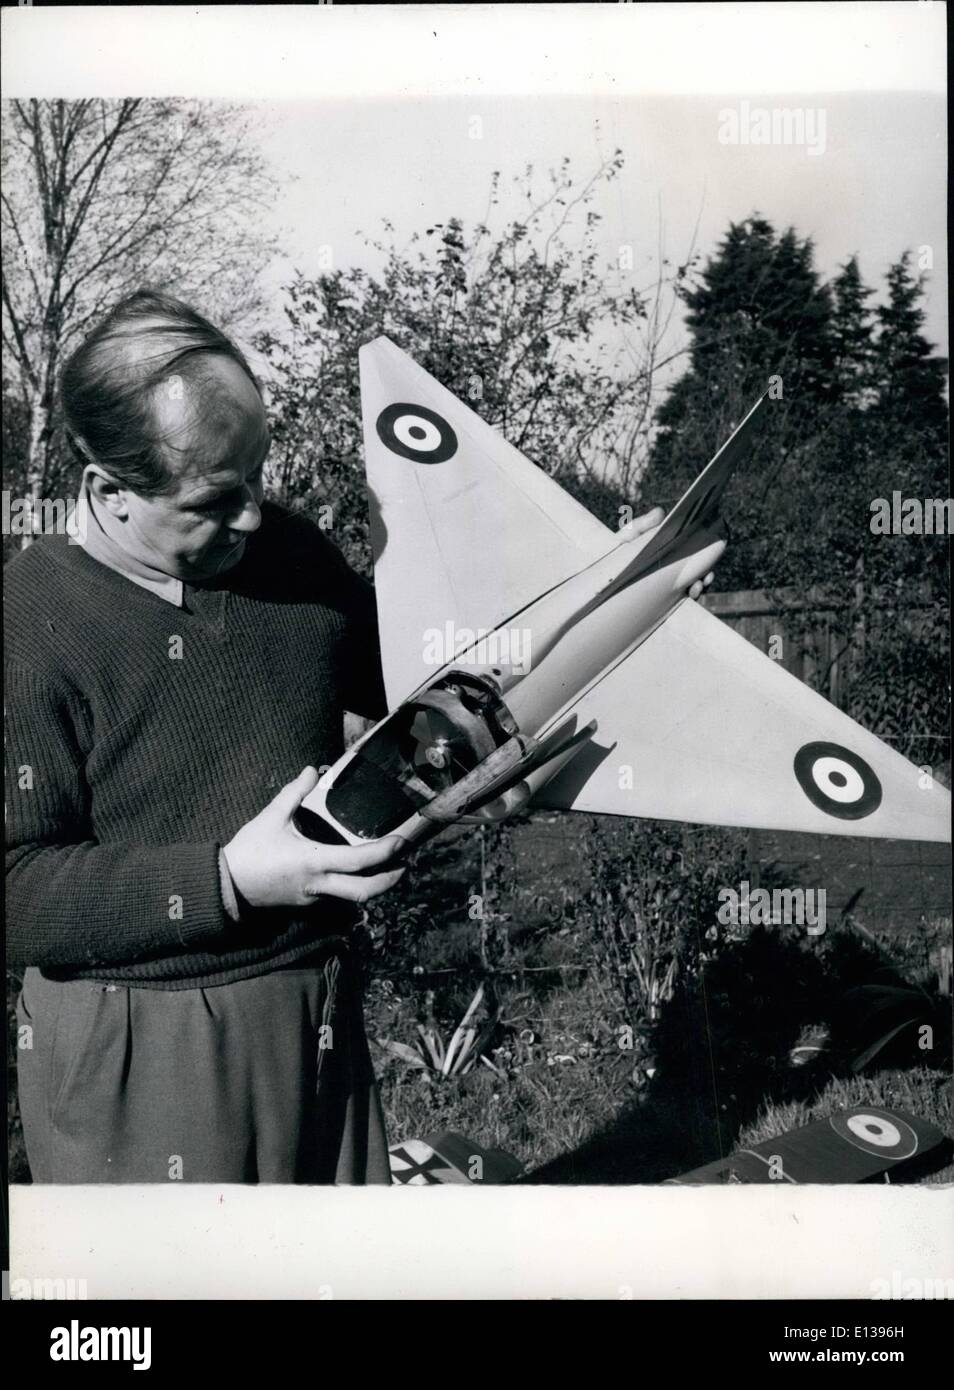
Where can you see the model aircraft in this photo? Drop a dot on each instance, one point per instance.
(531, 653)
(863, 1143)
(449, 1158)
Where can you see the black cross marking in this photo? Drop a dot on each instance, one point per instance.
(414, 1168)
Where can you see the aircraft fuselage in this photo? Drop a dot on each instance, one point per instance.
(584, 627)
(433, 760)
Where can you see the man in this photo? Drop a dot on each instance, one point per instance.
(189, 1010)
(173, 686)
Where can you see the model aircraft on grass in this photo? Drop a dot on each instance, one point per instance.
(861, 1144)
(450, 1158)
(531, 653)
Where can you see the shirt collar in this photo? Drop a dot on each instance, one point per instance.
(99, 546)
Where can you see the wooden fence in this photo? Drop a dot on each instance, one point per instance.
(890, 885)
(815, 639)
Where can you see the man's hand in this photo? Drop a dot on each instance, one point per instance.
(273, 865)
(641, 524)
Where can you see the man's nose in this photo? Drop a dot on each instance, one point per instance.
(248, 518)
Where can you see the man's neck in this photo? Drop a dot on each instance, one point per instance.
(103, 543)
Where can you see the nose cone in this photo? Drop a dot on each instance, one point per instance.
(698, 564)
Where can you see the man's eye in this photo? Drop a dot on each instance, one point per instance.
(230, 499)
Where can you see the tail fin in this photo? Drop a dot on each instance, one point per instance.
(698, 509)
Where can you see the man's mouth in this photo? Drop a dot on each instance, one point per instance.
(219, 553)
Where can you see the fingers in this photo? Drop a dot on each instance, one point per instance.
(354, 859)
(353, 888)
(652, 518)
(293, 793)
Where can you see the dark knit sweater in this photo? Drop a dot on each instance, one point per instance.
(129, 767)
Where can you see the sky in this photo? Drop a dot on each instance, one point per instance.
(367, 112)
(875, 187)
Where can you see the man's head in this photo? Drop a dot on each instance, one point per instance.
(169, 424)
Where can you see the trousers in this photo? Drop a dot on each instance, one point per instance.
(265, 1080)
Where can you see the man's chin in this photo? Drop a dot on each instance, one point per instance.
(217, 559)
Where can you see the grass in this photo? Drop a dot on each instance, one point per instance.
(573, 1112)
(713, 1072)
(559, 1072)
(585, 1086)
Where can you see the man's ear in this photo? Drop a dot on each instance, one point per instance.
(107, 493)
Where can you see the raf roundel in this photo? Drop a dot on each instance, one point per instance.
(837, 781)
(886, 1136)
(416, 433)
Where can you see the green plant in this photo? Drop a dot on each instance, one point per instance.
(652, 901)
(459, 1054)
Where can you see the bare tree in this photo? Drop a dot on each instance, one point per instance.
(101, 197)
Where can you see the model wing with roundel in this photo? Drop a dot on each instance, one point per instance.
(465, 530)
(858, 1144)
(697, 725)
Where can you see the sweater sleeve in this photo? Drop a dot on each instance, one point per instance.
(72, 902)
